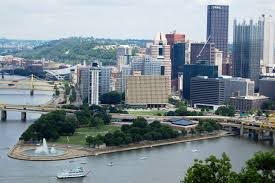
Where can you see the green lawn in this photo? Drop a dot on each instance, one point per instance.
(80, 134)
(149, 113)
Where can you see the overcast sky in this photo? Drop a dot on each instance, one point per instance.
(53, 19)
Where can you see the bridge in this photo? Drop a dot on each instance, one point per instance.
(30, 83)
(42, 109)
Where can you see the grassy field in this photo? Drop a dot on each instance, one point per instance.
(149, 113)
(80, 134)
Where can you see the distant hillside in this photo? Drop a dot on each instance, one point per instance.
(76, 50)
(8, 46)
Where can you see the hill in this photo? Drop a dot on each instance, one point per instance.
(77, 49)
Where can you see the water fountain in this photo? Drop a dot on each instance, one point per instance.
(44, 150)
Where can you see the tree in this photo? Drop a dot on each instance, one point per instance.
(112, 97)
(260, 168)
(225, 111)
(212, 170)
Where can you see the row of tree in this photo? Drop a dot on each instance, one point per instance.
(93, 116)
(182, 110)
(139, 131)
(259, 169)
(208, 126)
(58, 123)
(51, 126)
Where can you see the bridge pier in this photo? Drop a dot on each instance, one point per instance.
(230, 129)
(241, 130)
(3, 115)
(31, 92)
(23, 116)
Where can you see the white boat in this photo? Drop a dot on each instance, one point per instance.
(194, 150)
(143, 158)
(72, 173)
(111, 164)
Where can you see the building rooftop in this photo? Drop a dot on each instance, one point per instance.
(250, 97)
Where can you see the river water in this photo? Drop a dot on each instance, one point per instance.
(163, 164)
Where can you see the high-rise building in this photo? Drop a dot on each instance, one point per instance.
(217, 27)
(160, 51)
(94, 77)
(267, 87)
(247, 50)
(202, 52)
(105, 79)
(178, 59)
(268, 44)
(83, 82)
(193, 70)
(174, 37)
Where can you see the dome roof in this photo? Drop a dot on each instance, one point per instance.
(160, 38)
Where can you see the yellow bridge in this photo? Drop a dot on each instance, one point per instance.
(30, 83)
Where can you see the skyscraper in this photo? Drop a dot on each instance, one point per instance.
(194, 70)
(177, 54)
(202, 52)
(247, 50)
(93, 97)
(160, 51)
(268, 44)
(217, 27)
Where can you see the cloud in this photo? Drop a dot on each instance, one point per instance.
(220, 2)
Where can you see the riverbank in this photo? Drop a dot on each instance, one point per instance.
(71, 152)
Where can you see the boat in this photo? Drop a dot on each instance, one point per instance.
(83, 163)
(143, 158)
(194, 150)
(72, 173)
(111, 164)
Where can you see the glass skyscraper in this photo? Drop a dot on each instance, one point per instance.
(217, 27)
(247, 50)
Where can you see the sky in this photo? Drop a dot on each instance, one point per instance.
(142, 19)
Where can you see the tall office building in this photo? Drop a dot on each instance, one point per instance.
(94, 77)
(174, 37)
(160, 51)
(217, 27)
(194, 70)
(268, 44)
(83, 82)
(247, 50)
(105, 79)
(202, 52)
(177, 54)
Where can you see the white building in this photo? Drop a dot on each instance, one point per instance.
(93, 96)
(268, 45)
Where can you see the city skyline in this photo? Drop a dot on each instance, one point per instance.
(106, 19)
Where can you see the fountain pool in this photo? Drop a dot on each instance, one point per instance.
(44, 150)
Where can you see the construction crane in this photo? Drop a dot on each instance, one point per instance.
(269, 122)
(208, 39)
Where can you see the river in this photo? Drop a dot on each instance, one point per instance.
(163, 164)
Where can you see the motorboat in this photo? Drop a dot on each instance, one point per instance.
(111, 164)
(195, 150)
(72, 173)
